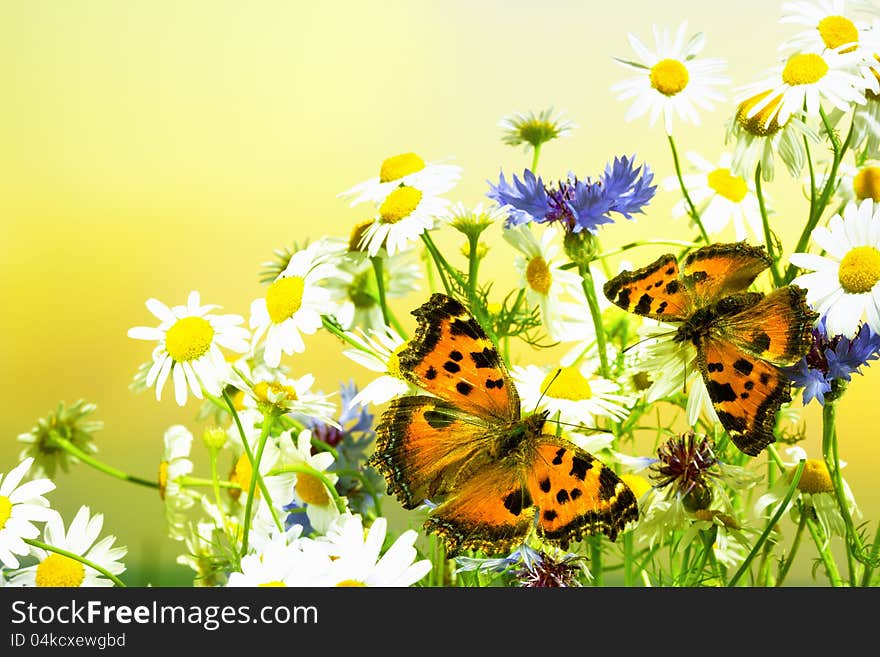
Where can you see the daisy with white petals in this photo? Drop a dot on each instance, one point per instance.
(81, 538)
(190, 338)
(21, 505)
(378, 351)
(312, 490)
(844, 285)
(175, 464)
(404, 169)
(671, 79)
(828, 25)
(292, 306)
(406, 213)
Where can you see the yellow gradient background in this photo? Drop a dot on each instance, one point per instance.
(150, 148)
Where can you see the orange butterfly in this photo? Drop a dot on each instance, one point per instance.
(495, 475)
(742, 338)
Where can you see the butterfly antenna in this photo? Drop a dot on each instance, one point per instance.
(546, 388)
(650, 337)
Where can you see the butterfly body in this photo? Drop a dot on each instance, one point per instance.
(492, 475)
(743, 339)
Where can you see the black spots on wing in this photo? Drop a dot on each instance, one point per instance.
(672, 287)
(496, 383)
(516, 501)
(698, 276)
(761, 341)
(550, 515)
(451, 367)
(607, 484)
(466, 326)
(720, 392)
(748, 385)
(731, 422)
(438, 420)
(464, 387)
(644, 304)
(670, 271)
(661, 308)
(544, 484)
(659, 283)
(623, 297)
(576, 493)
(744, 366)
(431, 373)
(455, 355)
(562, 496)
(579, 467)
(743, 395)
(486, 358)
(765, 378)
(715, 367)
(557, 460)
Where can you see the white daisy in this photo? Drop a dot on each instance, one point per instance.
(404, 169)
(802, 81)
(858, 183)
(190, 338)
(406, 213)
(308, 489)
(671, 80)
(760, 137)
(293, 306)
(292, 396)
(286, 560)
(541, 275)
(866, 118)
(720, 196)
(176, 463)
(534, 129)
(844, 285)
(20, 507)
(358, 559)
(53, 569)
(203, 553)
(278, 485)
(378, 351)
(575, 393)
(829, 25)
(815, 490)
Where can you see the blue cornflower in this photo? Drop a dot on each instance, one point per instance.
(833, 358)
(578, 205)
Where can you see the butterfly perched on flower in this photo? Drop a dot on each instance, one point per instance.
(743, 339)
(494, 475)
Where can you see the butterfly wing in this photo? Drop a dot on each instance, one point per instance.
(778, 328)
(746, 392)
(452, 357)
(719, 270)
(655, 291)
(422, 443)
(576, 495)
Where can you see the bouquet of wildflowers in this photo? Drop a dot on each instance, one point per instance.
(660, 446)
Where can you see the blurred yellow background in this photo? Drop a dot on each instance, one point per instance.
(150, 148)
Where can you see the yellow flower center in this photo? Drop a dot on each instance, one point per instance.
(669, 76)
(263, 389)
(272, 584)
(5, 510)
(538, 275)
(189, 338)
(400, 204)
(637, 484)
(398, 166)
(311, 490)
(804, 68)
(58, 570)
(357, 234)
(568, 384)
(866, 184)
(284, 297)
(758, 124)
(859, 270)
(815, 478)
(727, 185)
(351, 583)
(836, 31)
(163, 478)
(241, 474)
(392, 367)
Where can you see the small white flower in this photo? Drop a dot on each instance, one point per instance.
(308, 489)
(404, 169)
(294, 396)
(190, 338)
(283, 561)
(21, 505)
(829, 26)
(406, 213)
(175, 464)
(54, 570)
(534, 129)
(672, 80)
(378, 351)
(844, 285)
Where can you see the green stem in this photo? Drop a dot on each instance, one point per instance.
(72, 555)
(770, 525)
(536, 152)
(304, 468)
(692, 210)
(473, 268)
(795, 544)
(439, 262)
(589, 287)
(201, 481)
(596, 559)
(824, 552)
(627, 559)
(387, 316)
(768, 237)
(73, 450)
(875, 550)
